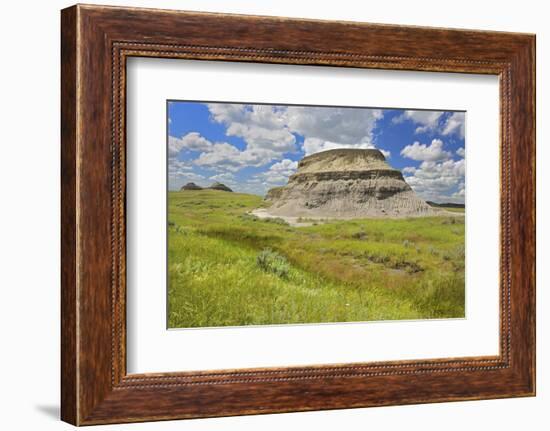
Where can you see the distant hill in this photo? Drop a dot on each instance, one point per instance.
(214, 186)
(190, 186)
(445, 205)
(220, 186)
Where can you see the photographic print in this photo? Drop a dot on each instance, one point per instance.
(297, 214)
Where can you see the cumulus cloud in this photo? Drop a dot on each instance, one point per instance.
(316, 145)
(225, 177)
(180, 172)
(461, 152)
(426, 120)
(409, 170)
(261, 126)
(192, 141)
(435, 121)
(219, 155)
(175, 145)
(224, 156)
(329, 128)
(437, 181)
(285, 166)
(423, 152)
(268, 132)
(195, 142)
(460, 194)
(279, 172)
(454, 124)
(273, 127)
(181, 177)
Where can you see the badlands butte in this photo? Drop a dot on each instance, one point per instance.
(346, 184)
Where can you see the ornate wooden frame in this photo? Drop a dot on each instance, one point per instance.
(95, 42)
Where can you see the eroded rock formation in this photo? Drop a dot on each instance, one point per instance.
(190, 186)
(346, 183)
(220, 186)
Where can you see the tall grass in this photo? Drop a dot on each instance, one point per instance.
(229, 268)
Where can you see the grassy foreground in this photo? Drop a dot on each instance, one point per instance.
(228, 268)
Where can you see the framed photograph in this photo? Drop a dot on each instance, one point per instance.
(265, 215)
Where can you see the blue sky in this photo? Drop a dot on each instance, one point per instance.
(253, 147)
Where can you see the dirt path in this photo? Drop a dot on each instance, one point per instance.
(292, 221)
(309, 221)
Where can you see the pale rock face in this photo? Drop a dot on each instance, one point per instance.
(346, 183)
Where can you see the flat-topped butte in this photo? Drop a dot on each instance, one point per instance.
(346, 184)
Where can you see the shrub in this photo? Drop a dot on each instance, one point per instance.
(451, 220)
(271, 261)
(362, 235)
(249, 217)
(407, 243)
(276, 220)
(377, 258)
(176, 228)
(410, 266)
(433, 251)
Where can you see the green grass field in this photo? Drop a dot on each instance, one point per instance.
(228, 268)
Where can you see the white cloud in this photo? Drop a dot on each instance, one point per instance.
(192, 141)
(423, 152)
(182, 177)
(219, 155)
(332, 128)
(224, 177)
(226, 112)
(285, 166)
(409, 170)
(454, 124)
(461, 152)
(261, 126)
(278, 173)
(268, 132)
(316, 145)
(387, 154)
(427, 120)
(460, 194)
(344, 126)
(175, 145)
(180, 172)
(225, 156)
(175, 165)
(436, 181)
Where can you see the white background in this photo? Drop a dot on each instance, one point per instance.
(151, 348)
(29, 228)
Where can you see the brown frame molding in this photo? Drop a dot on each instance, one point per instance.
(95, 43)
